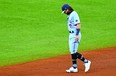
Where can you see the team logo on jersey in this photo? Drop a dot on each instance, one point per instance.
(70, 25)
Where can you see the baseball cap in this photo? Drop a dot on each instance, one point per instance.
(64, 7)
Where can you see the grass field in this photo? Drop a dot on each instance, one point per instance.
(36, 29)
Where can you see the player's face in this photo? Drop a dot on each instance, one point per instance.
(66, 11)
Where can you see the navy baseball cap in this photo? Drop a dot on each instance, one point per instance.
(64, 7)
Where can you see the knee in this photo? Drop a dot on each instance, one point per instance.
(78, 55)
(74, 56)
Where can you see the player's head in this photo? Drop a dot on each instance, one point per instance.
(67, 9)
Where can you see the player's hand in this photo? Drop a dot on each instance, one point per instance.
(77, 37)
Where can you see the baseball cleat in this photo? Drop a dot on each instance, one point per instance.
(72, 70)
(87, 66)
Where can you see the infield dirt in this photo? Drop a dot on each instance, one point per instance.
(103, 64)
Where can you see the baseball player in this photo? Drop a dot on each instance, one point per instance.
(74, 38)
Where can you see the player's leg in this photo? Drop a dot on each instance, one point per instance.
(73, 45)
(81, 57)
(73, 51)
(87, 63)
(73, 55)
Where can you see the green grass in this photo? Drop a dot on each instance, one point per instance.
(36, 29)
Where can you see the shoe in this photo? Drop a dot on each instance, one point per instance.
(72, 70)
(87, 66)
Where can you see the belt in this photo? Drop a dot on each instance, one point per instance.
(71, 31)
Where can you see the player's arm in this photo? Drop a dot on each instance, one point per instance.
(77, 24)
(77, 30)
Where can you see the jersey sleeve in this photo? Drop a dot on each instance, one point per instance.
(76, 18)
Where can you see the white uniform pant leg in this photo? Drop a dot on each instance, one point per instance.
(73, 44)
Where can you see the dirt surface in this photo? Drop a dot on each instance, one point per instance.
(103, 64)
